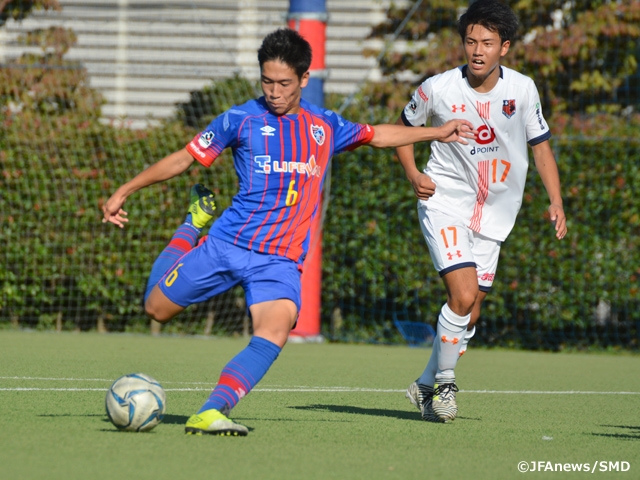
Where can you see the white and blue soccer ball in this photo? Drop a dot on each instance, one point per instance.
(136, 403)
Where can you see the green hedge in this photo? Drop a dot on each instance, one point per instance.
(62, 267)
(580, 291)
(60, 262)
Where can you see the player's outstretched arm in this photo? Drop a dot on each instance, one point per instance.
(398, 135)
(548, 170)
(169, 167)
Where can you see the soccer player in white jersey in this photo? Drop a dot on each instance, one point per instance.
(469, 195)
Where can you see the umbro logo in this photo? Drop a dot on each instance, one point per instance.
(268, 130)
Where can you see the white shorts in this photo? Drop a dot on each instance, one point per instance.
(453, 245)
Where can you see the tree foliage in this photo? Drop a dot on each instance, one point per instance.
(582, 55)
(59, 163)
(20, 9)
(41, 81)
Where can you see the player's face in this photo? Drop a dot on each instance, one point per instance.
(484, 50)
(281, 87)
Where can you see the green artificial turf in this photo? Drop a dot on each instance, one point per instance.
(322, 411)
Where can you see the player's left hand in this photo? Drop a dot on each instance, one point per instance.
(558, 219)
(457, 131)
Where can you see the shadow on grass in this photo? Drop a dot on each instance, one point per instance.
(182, 420)
(175, 419)
(169, 419)
(75, 415)
(377, 412)
(628, 432)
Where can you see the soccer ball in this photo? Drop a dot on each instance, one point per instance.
(135, 403)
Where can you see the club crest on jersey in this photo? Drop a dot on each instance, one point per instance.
(205, 139)
(508, 108)
(318, 134)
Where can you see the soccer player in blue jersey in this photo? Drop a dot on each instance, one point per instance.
(281, 148)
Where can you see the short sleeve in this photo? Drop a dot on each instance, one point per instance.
(537, 128)
(348, 135)
(417, 111)
(219, 134)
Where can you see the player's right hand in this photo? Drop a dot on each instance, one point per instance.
(423, 186)
(558, 220)
(112, 211)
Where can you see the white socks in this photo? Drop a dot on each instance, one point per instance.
(428, 377)
(465, 340)
(445, 354)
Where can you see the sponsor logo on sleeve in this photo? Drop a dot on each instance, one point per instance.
(423, 95)
(196, 150)
(206, 138)
(539, 115)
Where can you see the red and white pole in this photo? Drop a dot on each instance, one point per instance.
(309, 18)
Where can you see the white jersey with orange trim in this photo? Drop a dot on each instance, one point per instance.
(482, 182)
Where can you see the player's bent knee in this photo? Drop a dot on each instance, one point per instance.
(160, 308)
(158, 318)
(156, 314)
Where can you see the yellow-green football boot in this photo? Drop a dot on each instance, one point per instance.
(202, 205)
(214, 422)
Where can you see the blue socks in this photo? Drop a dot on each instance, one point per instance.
(241, 374)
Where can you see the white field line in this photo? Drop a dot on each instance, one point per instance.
(54, 379)
(326, 390)
(277, 388)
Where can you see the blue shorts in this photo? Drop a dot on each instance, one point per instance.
(216, 266)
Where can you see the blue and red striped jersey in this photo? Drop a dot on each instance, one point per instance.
(281, 162)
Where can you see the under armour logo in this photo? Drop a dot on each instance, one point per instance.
(457, 254)
(455, 108)
(454, 340)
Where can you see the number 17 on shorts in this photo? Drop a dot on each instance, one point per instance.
(453, 245)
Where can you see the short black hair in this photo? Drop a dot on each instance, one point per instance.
(492, 15)
(287, 46)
